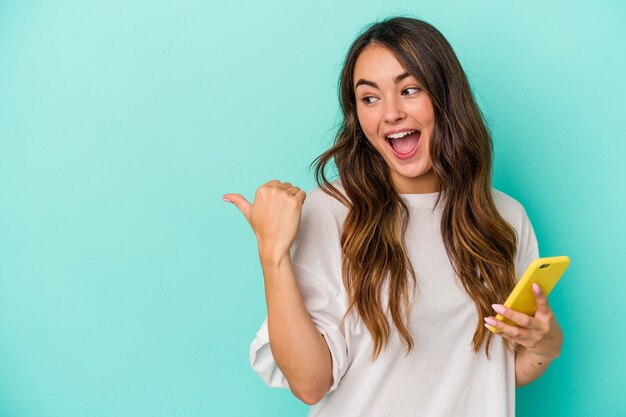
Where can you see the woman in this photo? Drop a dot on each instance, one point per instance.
(380, 287)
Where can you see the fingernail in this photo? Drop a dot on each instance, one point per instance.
(498, 308)
(536, 287)
(226, 199)
(490, 321)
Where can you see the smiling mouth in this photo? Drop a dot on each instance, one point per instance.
(406, 144)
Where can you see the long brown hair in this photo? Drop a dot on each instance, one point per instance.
(481, 245)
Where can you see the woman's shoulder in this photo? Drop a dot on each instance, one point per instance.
(505, 201)
(317, 246)
(320, 200)
(510, 208)
(515, 214)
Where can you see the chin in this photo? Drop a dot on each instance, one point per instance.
(412, 172)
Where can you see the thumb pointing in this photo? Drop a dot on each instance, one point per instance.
(242, 204)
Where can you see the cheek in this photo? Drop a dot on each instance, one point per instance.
(427, 157)
(423, 112)
(367, 123)
(429, 114)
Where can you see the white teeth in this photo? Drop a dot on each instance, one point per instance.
(400, 134)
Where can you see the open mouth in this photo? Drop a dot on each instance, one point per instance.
(406, 144)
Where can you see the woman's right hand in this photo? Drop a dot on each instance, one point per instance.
(274, 217)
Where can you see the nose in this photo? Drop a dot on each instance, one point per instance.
(392, 110)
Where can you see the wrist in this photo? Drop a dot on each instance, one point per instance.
(542, 357)
(273, 261)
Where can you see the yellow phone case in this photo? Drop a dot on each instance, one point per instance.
(545, 272)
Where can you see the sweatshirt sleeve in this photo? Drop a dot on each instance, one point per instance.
(315, 258)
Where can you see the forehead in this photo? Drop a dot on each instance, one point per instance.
(377, 63)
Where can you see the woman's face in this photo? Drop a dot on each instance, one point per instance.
(388, 100)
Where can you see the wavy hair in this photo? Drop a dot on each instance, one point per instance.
(480, 244)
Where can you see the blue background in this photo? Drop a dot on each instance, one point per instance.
(129, 288)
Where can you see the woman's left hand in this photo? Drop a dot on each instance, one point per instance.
(540, 334)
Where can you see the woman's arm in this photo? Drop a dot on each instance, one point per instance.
(299, 349)
(297, 346)
(529, 366)
(541, 337)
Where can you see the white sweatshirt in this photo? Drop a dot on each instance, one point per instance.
(442, 376)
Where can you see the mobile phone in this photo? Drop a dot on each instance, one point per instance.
(546, 272)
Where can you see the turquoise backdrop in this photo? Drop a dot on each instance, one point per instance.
(129, 288)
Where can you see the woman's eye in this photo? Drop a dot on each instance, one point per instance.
(412, 88)
(366, 98)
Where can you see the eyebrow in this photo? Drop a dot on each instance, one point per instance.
(373, 84)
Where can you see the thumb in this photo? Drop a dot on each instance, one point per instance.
(242, 204)
(541, 299)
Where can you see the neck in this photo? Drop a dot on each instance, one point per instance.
(424, 184)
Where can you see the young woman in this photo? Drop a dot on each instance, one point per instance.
(380, 286)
